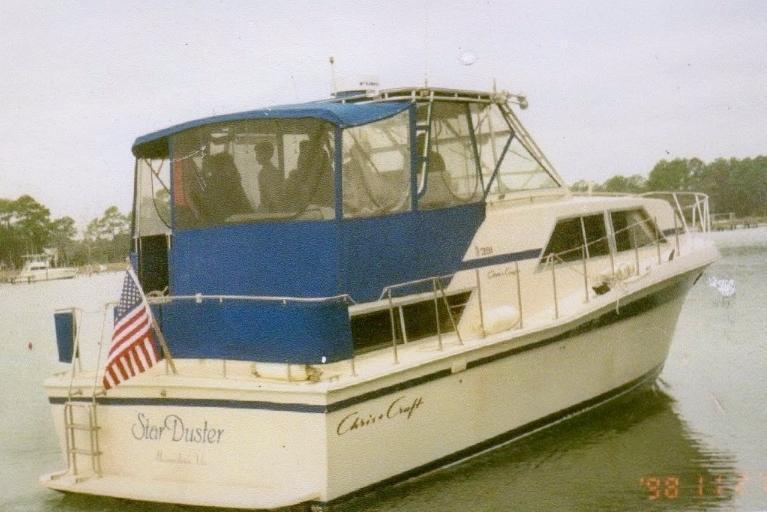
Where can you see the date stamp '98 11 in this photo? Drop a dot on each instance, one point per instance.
(671, 487)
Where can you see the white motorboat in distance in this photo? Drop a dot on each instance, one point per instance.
(359, 290)
(37, 267)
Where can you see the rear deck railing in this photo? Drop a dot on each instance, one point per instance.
(436, 283)
(199, 298)
(691, 208)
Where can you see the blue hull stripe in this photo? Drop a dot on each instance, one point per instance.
(198, 402)
(611, 316)
(499, 259)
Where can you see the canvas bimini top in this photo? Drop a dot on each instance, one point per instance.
(155, 144)
(342, 197)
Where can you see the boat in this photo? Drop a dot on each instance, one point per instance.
(37, 267)
(359, 290)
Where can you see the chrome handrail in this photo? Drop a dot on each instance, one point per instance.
(404, 284)
(437, 292)
(699, 208)
(199, 298)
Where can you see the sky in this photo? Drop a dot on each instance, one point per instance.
(613, 86)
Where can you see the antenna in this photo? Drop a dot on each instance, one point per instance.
(426, 50)
(333, 74)
(295, 88)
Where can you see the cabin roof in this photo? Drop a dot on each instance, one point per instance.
(154, 145)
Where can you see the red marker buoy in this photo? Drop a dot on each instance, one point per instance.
(29, 346)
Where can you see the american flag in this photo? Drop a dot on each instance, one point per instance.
(134, 348)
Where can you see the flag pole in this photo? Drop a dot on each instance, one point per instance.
(155, 326)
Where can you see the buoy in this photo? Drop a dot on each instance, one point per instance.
(29, 346)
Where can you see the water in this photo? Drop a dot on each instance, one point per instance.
(693, 442)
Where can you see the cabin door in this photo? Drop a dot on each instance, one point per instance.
(153, 262)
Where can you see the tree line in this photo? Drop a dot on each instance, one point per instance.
(26, 227)
(733, 185)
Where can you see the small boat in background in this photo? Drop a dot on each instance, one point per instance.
(37, 267)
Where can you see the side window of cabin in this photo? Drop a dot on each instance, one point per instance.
(632, 228)
(596, 236)
(451, 176)
(376, 168)
(566, 241)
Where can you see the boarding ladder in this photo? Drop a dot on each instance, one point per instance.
(81, 428)
(81, 421)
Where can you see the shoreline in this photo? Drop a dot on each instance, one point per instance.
(83, 270)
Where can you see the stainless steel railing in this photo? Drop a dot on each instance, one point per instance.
(689, 206)
(199, 298)
(438, 293)
(552, 260)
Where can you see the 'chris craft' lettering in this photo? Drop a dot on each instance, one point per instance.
(173, 428)
(399, 407)
(504, 272)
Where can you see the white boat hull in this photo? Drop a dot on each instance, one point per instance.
(45, 275)
(241, 446)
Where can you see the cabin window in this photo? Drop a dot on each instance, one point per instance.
(451, 176)
(152, 200)
(253, 171)
(596, 236)
(519, 170)
(633, 228)
(376, 168)
(567, 240)
(372, 331)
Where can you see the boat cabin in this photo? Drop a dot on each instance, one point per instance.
(261, 228)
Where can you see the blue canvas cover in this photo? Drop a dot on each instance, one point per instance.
(65, 334)
(154, 145)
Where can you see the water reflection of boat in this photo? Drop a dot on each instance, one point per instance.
(634, 454)
(361, 290)
(37, 267)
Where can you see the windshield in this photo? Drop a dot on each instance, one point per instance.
(519, 169)
(253, 171)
